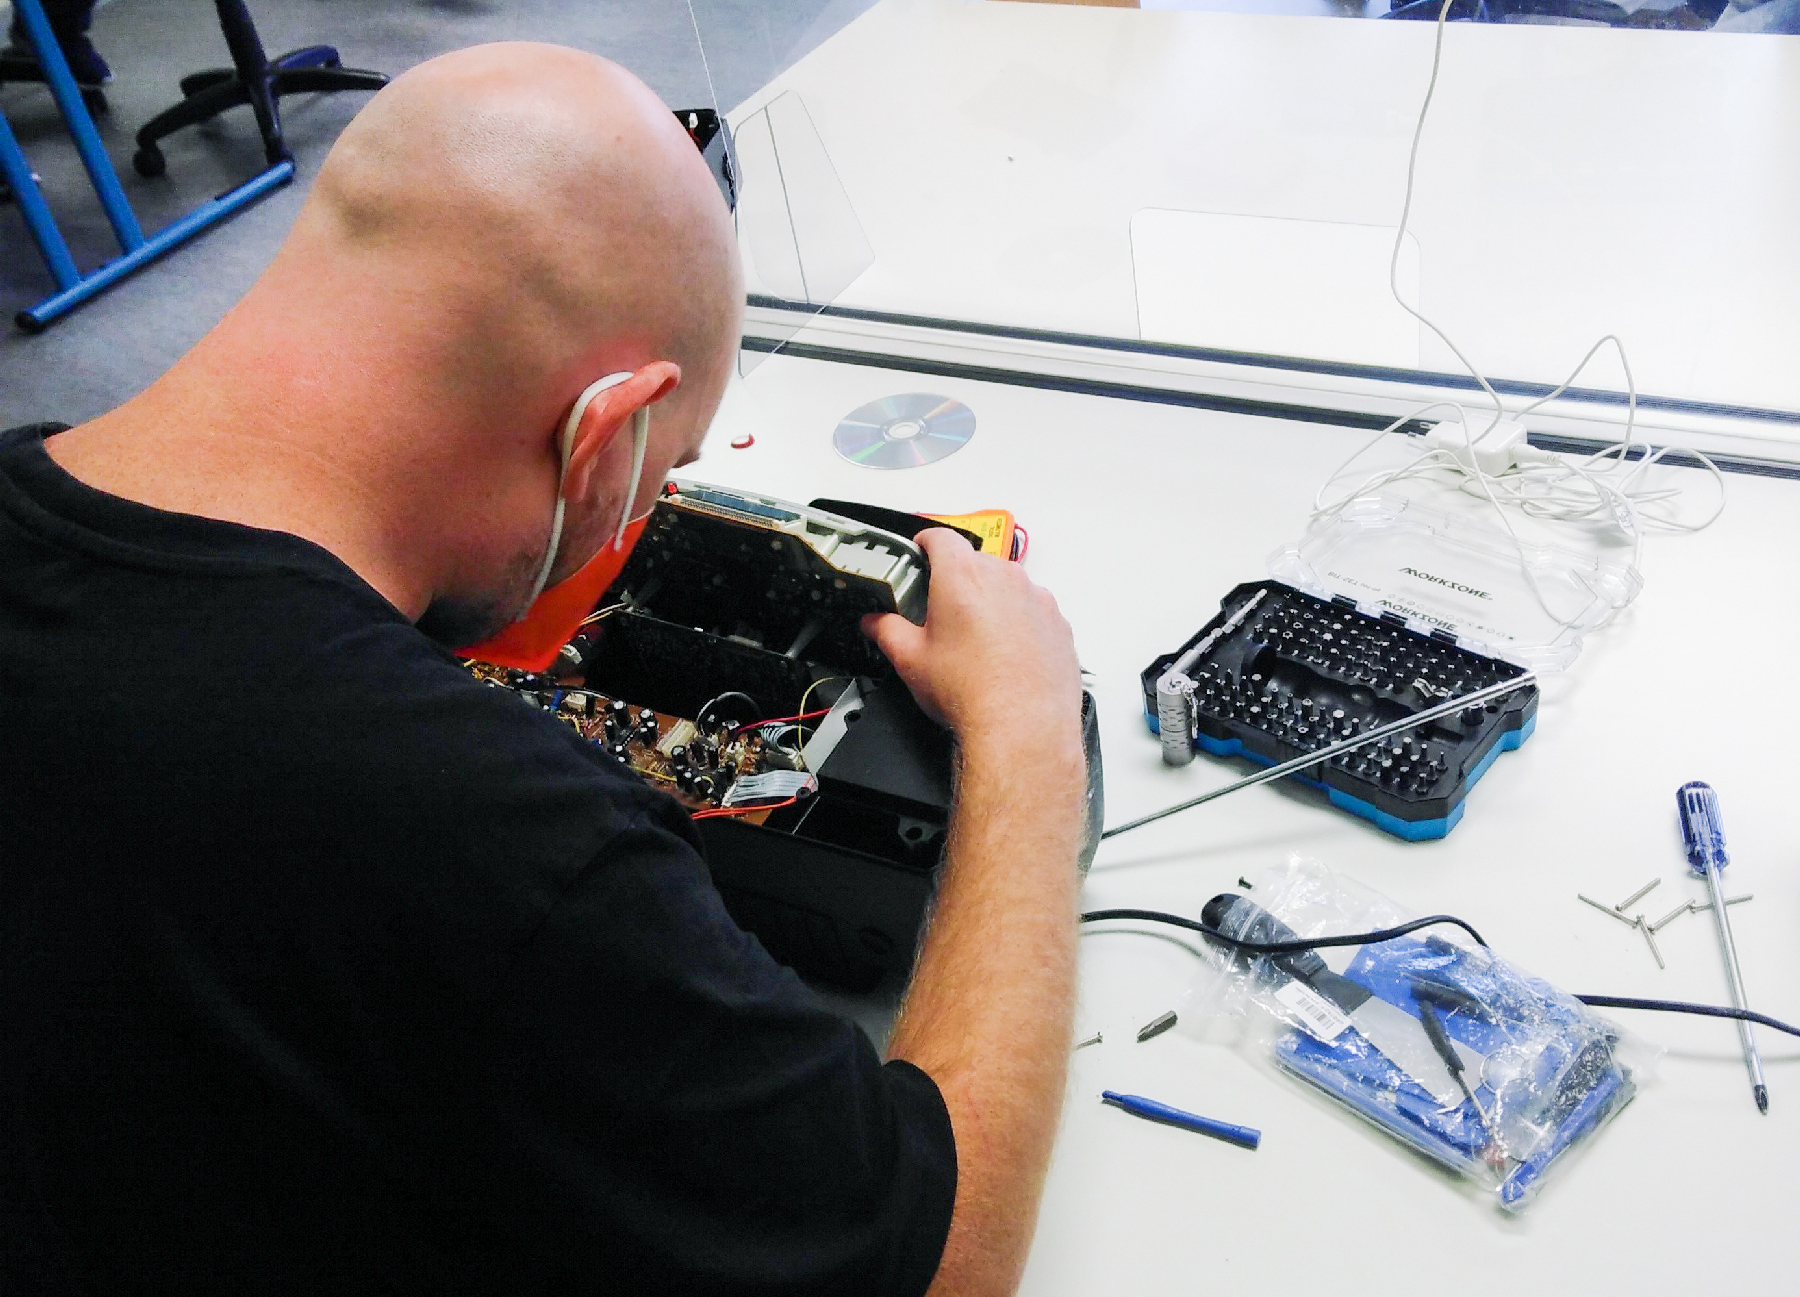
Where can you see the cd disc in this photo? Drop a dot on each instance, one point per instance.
(904, 431)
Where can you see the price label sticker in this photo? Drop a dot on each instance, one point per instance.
(1323, 1019)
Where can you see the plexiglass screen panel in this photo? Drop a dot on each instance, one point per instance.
(1232, 184)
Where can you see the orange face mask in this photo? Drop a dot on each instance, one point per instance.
(532, 642)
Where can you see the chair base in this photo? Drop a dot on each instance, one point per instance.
(255, 80)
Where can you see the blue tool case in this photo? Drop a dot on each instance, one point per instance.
(1301, 673)
(1383, 611)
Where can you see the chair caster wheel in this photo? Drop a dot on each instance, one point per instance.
(149, 162)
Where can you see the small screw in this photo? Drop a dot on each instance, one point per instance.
(1670, 917)
(1637, 896)
(1644, 928)
(1091, 1040)
(1606, 909)
(1241, 883)
(1700, 907)
(1156, 1026)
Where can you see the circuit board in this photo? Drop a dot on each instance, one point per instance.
(710, 765)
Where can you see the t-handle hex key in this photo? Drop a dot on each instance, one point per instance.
(1308, 759)
(1703, 831)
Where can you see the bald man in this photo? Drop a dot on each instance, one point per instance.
(323, 968)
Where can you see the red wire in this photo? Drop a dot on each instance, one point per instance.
(718, 812)
(782, 720)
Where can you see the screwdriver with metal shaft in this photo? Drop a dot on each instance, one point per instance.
(1703, 831)
(1319, 756)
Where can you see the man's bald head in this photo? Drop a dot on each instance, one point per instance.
(549, 204)
(496, 230)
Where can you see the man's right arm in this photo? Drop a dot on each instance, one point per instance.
(989, 1012)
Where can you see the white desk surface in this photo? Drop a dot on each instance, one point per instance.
(1689, 1190)
(1573, 182)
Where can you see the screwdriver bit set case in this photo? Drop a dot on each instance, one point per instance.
(1381, 612)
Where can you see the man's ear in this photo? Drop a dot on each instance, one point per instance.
(607, 416)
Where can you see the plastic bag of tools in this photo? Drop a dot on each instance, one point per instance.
(1431, 1036)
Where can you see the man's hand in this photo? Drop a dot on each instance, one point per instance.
(994, 654)
(989, 1011)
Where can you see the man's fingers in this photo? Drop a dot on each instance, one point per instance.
(941, 545)
(898, 639)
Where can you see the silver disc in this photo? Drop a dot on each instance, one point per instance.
(904, 431)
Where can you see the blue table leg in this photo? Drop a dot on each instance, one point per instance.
(32, 206)
(36, 318)
(73, 287)
(87, 140)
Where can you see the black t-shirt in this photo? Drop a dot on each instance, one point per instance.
(324, 968)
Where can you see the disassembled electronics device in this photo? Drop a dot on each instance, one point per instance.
(1280, 672)
(727, 665)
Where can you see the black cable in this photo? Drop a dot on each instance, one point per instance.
(1282, 947)
(729, 693)
(1388, 934)
(1682, 1006)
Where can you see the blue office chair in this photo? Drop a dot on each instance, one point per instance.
(254, 79)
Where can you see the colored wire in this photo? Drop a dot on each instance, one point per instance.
(721, 812)
(1388, 934)
(603, 613)
(772, 736)
(825, 680)
(780, 720)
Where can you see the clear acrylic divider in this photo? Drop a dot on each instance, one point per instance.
(805, 243)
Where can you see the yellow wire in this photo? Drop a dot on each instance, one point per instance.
(593, 617)
(806, 697)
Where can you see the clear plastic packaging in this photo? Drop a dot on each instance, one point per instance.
(1458, 575)
(1376, 1027)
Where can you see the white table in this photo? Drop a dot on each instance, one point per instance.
(1587, 804)
(1686, 1190)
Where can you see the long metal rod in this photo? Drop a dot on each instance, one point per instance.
(1752, 1058)
(1350, 744)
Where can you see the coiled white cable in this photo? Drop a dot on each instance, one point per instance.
(1537, 483)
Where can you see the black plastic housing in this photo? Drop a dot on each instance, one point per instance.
(837, 885)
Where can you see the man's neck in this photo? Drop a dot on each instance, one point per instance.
(195, 442)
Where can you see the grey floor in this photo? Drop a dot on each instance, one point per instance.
(112, 347)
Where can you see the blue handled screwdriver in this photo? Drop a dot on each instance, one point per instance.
(1703, 831)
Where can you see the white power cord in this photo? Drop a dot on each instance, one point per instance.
(1497, 462)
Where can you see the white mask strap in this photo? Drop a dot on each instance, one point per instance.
(640, 442)
(639, 438)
